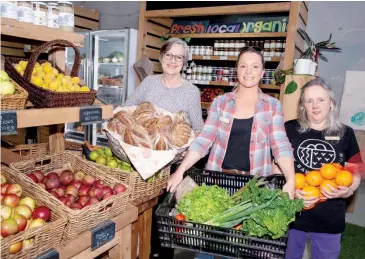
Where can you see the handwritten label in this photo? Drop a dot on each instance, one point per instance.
(102, 234)
(9, 123)
(50, 254)
(223, 58)
(90, 115)
(206, 57)
(267, 58)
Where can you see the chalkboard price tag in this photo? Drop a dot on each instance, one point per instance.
(50, 254)
(9, 123)
(102, 234)
(90, 115)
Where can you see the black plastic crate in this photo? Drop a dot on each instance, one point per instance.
(217, 240)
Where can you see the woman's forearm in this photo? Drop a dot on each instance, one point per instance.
(286, 165)
(190, 159)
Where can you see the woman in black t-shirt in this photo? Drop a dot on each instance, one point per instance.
(318, 137)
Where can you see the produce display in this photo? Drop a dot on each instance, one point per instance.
(255, 209)
(329, 177)
(115, 57)
(19, 214)
(208, 94)
(48, 77)
(6, 87)
(144, 127)
(76, 190)
(104, 156)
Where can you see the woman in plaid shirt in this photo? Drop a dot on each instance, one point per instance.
(243, 130)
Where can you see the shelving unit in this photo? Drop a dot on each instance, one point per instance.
(231, 58)
(230, 84)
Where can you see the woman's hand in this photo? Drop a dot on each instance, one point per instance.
(308, 201)
(341, 192)
(289, 187)
(174, 181)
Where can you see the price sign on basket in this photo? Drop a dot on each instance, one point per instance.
(50, 254)
(9, 122)
(90, 115)
(102, 234)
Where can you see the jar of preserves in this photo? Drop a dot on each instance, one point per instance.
(199, 77)
(272, 44)
(267, 44)
(262, 44)
(25, 11)
(9, 9)
(209, 69)
(279, 44)
(284, 44)
(248, 43)
(204, 77)
(40, 13)
(216, 44)
(266, 52)
(67, 16)
(226, 44)
(237, 44)
(221, 52)
(216, 52)
(242, 44)
(272, 52)
(231, 44)
(231, 52)
(53, 16)
(199, 69)
(236, 52)
(277, 52)
(204, 69)
(226, 52)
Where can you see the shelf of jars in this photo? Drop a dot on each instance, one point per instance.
(230, 58)
(226, 84)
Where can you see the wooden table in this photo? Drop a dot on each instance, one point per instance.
(143, 226)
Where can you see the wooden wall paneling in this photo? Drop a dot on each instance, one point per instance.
(299, 42)
(152, 53)
(86, 23)
(157, 67)
(156, 29)
(164, 21)
(85, 12)
(141, 44)
(12, 45)
(153, 41)
(303, 12)
(220, 10)
(12, 52)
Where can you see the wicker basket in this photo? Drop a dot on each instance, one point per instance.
(139, 188)
(43, 98)
(32, 151)
(16, 101)
(45, 237)
(79, 221)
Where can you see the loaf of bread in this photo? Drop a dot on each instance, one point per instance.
(143, 112)
(138, 136)
(161, 141)
(181, 133)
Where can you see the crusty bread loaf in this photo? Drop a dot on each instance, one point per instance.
(181, 133)
(137, 136)
(143, 112)
(161, 142)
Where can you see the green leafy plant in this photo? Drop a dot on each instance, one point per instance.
(168, 36)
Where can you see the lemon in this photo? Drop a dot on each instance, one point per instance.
(77, 88)
(76, 80)
(54, 71)
(23, 64)
(48, 80)
(85, 89)
(21, 72)
(38, 69)
(41, 74)
(37, 64)
(18, 68)
(53, 85)
(45, 86)
(46, 64)
(47, 69)
(60, 76)
(38, 81)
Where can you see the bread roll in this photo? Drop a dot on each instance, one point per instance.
(143, 112)
(181, 133)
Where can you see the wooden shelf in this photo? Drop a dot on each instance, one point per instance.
(231, 58)
(50, 116)
(233, 35)
(14, 28)
(226, 84)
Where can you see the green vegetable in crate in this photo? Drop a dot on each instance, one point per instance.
(204, 202)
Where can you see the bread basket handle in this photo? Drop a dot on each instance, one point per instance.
(33, 58)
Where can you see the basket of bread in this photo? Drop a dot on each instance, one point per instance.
(148, 137)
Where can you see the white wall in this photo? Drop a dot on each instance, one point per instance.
(346, 22)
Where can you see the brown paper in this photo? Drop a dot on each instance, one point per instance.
(185, 187)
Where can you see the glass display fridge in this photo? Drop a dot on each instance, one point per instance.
(107, 63)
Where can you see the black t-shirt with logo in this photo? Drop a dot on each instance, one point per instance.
(311, 150)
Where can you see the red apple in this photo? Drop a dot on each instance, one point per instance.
(33, 177)
(84, 190)
(8, 227)
(107, 189)
(35, 223)
(107, 195)
(42, 212)
(79, 175)
(15, 248)
(83, 200)
(118, 188)
(53, 175)
(88, 180)
(11, 200)
(55, 194)
(92, 201)
(52, 183)
(97, 193)
(24, 210)
(71, 197)
(39, 175)
(6, 211)
(66, 201)
(99, 183)
(14, 189)
(61, 192)
(72, 190)
(77, 184)
(4, 187)
(76, 206)
(66, 177)
(42, 185)
(63, 187)
(28, 201)
(21, 221)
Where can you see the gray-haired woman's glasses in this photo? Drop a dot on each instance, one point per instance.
(169, 56)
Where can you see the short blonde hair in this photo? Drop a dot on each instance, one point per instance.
(168, 45)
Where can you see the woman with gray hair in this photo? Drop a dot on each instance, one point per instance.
(319, 138)
(169, 90)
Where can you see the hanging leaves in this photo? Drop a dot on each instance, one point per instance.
(291, 87)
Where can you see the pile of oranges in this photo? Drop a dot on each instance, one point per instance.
(314, 182)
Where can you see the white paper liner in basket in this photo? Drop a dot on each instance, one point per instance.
(146, 161)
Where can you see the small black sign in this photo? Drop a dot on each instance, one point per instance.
(102, 234)
(50, 254)
(9, 123)
(90, 115)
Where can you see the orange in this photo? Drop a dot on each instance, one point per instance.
(338, 166)
(299, 181)
(328, 171)
(311, 191)
(322, 198)
(325, 183)
(313, 178)
(344, 178)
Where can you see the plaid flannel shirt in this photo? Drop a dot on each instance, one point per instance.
(268, 136)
